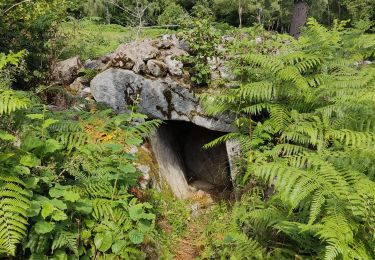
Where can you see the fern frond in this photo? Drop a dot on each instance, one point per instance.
(65, 239)
(11, 101)
(14, 200)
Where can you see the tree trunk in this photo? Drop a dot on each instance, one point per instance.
(300, 14)
(240, 11)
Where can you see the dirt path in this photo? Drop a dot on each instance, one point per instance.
(190, 245)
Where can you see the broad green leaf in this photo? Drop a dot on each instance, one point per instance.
(118, 246)
(85, 234)
(71, 196)
(31, 142)
(34, 209)
(59, 255)
(137, 212)
(136, 237)
(22, 169)
(103, 241)
(51, 146)
(59, 204)
(56, 193)
(83, 207)
(59, 215)
(30, 183)
(128, 168)
(47, 209)
(44, 227)
(115, 147)
(6, 156)
(30, 160)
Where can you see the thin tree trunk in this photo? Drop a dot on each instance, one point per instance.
(240, 11)
(300, 14)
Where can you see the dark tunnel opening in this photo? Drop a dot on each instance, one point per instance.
(204, 169)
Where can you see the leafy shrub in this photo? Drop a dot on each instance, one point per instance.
(37, 33)
(66, 179)
(202, 39)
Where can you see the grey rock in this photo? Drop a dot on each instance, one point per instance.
(145, 179)
(159, 98)
(126, 55)
(85, 93)
(171, 166)
(157, 68)
(106, 58)
(67, 70)
(78, 85)
(94, 65)
(174, 66)
(140, 67)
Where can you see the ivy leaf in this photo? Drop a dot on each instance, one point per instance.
(136, 237)
(103, 241)
(30, 160)
(44, 227)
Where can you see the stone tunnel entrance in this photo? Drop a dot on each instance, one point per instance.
(184, 164)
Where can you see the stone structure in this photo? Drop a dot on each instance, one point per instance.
(151, 75)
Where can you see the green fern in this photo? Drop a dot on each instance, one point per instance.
(306, 125)
(65, 239)
(11, 101)
(14, 201)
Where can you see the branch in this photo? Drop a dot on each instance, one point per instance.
(13, 6)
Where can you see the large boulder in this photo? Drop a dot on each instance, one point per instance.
(159, 98)
(66, 71)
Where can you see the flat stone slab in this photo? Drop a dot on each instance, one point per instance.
(160, 98)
